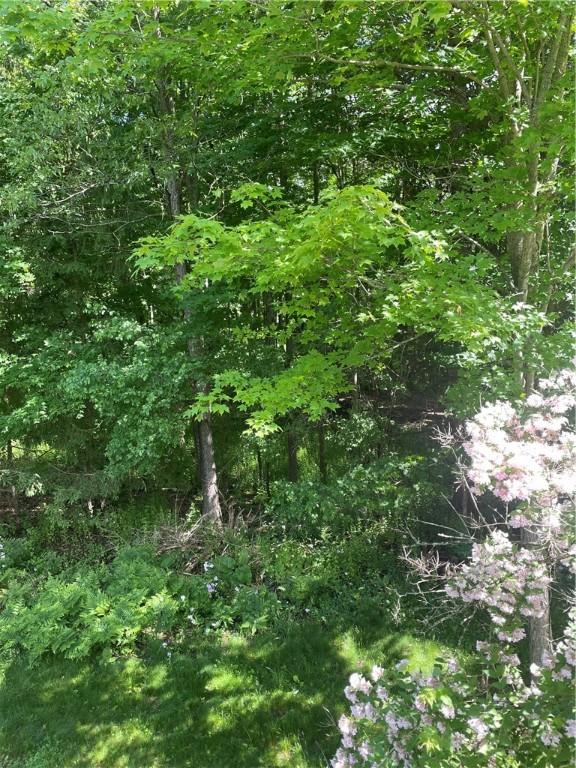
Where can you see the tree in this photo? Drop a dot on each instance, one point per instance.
(266, 121)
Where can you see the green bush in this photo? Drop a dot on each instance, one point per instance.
(335, 579)
(112, 609)
(89, 609)
(393, 491)
(325, 550)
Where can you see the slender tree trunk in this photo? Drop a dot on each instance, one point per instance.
(292, 446)
(539, 627)
(210, 494)
(291, 439)
(316, 183)
(355, 393)
(173, 186)
(322, 465)
(13, 491)
(260, 468)
(520, 247)
(198, 450)
(205, 445)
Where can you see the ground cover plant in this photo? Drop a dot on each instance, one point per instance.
(286, 383)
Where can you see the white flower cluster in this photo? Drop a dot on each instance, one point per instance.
(405, 720)
(527, 454)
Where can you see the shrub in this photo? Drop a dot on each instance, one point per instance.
(488, 716)
(112, 609)
(392, 490)
(483, 716)
(88, 609)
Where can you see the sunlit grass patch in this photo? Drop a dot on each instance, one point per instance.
(269, 701)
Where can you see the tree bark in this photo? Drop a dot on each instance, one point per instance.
(266, 470)
(539, 627)
(260, 481)
(198, 450)
(322, 464)
(355, 393)
(292, 445)
(13, 491)
(315, 183)
(210, 493)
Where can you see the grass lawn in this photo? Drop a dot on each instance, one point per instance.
(232, 703)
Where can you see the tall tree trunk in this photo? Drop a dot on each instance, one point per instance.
(316, 183)
(198, 450)
(355, 393)
(291, 439)
(205, 447)
(210, 493)
(173, 187)
(522, 256)
(13, 491)
(260, 482)
(267, 477)
(539, 627)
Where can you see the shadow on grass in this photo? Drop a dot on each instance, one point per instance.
(233, 703)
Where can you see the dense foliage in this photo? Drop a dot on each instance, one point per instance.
(255, 256)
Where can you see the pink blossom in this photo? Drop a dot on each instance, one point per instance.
(350, 694)
(359, 683)
(519, 521)
(452, 665)
(420, 704)
(549, 737)
(458, 740)
(364, 750)
(347, 727)
(479, 727)
(448, 711)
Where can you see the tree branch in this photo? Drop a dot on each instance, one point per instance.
(510, 61)
(387, 63)
(505, 85)
(552, 64)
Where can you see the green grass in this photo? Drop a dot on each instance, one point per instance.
(264, 702)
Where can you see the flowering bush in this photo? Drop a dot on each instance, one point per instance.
(528, 454)
(487, 714)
